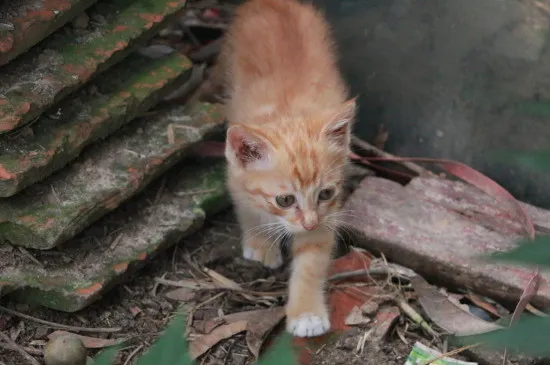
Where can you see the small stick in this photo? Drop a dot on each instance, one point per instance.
(132, 354)
(59, 326)
(356, 273)
(416, 317)
(450, 353)
(367, 147)
(25, 252)
(19, 349)
(30, 350)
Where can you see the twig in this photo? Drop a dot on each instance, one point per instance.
(416, 317)
(60, 326)
(450, 353)
(29, 350)
(19, 349)
(198, 306)
(367, 147)
(357, 273)
(207, 52)
(25, 252)
(132, 354)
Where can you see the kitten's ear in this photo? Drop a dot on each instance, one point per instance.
(338, 129)
(246, 149)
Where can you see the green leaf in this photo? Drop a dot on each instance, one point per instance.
(171, 347)
(281, 354)
(534, 253)
(530, 336)
(106, 357)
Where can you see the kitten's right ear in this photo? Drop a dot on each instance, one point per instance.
(246, 149)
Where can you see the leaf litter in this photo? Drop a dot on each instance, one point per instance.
(371, 299)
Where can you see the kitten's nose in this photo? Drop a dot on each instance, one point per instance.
(310, 221)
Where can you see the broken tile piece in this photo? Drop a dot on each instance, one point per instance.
(54, 210)
(435, 241)
(111, 100)
(109, 251)
(31, 23)
(68, 59)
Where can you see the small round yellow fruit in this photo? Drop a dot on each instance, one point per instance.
(65, 350)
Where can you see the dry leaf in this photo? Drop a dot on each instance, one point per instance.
(356, 318)
(260, 324)
(181, 294)
(88, 342)
(369, 308)
(447, 315)
(204, 343)
(483, 304)
(385, 319)
(223, 281)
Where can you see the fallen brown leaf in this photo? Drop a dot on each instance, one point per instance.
(204, 343)
(385, 319)
(88, 342)
(447, 315)
(483, 304)
(356, 318)
(181, 294)
(260, 325)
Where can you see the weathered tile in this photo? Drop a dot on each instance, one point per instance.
(436, 241)
(26, 23)
(116, 246)
(70, 57)
(111, 100)
(52, 211)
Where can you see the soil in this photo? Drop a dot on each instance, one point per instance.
(141, 308)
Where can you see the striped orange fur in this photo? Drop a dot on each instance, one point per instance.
(290, 119)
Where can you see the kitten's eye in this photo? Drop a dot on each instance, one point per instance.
(326, 194)
(285, 201)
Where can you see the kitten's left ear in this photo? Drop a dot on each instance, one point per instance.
(338, 129)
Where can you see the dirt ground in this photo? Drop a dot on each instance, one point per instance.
(141, 308)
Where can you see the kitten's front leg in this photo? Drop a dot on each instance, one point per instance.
(307, 311)
(260, 240)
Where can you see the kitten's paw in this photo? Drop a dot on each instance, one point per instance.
(250, 254)
(271, 258)
(308, 325)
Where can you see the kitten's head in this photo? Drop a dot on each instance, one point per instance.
(292, 170)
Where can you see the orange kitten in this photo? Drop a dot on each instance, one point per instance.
(287, 143)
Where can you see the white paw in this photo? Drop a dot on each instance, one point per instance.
(308, 325)
(249, 254)
(272, 259)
